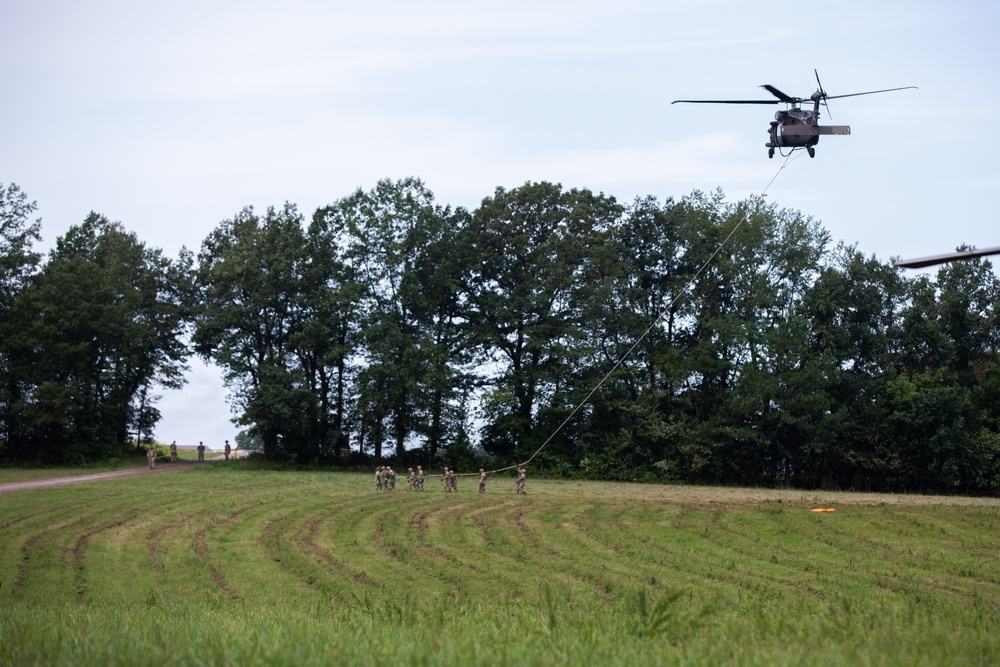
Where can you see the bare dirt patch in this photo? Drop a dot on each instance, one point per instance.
(95, 477)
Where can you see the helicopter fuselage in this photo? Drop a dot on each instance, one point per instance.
(799, 128)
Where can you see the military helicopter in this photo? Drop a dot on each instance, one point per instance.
(934, 260)
(796, 127)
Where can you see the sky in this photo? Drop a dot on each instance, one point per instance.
(171, 117)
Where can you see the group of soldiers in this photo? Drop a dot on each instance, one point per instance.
(385, 480)
(151, 453)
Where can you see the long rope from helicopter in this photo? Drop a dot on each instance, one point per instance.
(788, 160)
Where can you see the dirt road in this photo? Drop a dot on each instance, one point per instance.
(101, 476)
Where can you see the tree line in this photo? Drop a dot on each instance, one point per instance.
(391, 326)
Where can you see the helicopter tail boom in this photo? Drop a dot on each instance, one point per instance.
(814, 130)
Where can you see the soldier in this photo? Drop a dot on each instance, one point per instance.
(228, 449)
(447, 480)
(201, 452)
(390, 480)
(482, 481)
(420, 478)
(411, 477)
(521, 474)
(378, 478)
(453, 480)
(151, 456)
(173, 452)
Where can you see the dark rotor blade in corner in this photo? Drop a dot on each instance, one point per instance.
(787, 99)
(726, 101)
(870, 92)
(922, 262)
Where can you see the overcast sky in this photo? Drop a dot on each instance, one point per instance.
(172, 116)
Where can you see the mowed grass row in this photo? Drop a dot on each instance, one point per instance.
(225, 564)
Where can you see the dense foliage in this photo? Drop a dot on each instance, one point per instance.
(392, 326)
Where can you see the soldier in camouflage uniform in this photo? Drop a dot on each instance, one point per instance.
(390, 479)
(453, 479)
(173, 452)
(378, 478)
(521, 475)
(151, 456)
(201, 452)
(482, 481)
(446, 478)
(420, 478)
(411, 477)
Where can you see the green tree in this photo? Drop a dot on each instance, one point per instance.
(531, 248)
(100, 329)
(855, 311)
(406, 255)
(636, 306)
(330, 340)
(250, 281)
(751, 294)
(18, 262)
(941, 427)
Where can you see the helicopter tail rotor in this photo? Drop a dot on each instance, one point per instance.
(820, 95)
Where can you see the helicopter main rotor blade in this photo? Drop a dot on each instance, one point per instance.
(787, 99)
(727, 101)
(870, 92)
(921, 262)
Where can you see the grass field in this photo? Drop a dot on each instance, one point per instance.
(224, 564)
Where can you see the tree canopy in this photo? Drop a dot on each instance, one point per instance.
(391, 326)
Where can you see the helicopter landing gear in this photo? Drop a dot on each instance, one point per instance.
(811, 151)
(770, 153)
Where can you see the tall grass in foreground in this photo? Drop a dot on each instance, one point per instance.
(224, 566)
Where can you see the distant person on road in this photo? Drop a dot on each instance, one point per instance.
(173, 452)
(482, 481)
(201, 452)
(521, 475)
(151, 456)
(228, 449)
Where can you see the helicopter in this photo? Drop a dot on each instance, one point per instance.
(934, 260)
(795, 127)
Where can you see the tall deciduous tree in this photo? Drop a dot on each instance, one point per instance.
(100, 327)
(531, 247)
(405, 254)
(250, 279)
(18, 262)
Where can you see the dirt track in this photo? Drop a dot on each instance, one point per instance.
(100, 476)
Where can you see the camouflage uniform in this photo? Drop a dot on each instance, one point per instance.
(482, 481)
(390, 480)
(446, 477)
(420, 479)
(151, 457)
(173, 452)
(378, 478)
(521, 474)
(201, 452)
(228, 449)
(411, 478)
(453, 480)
